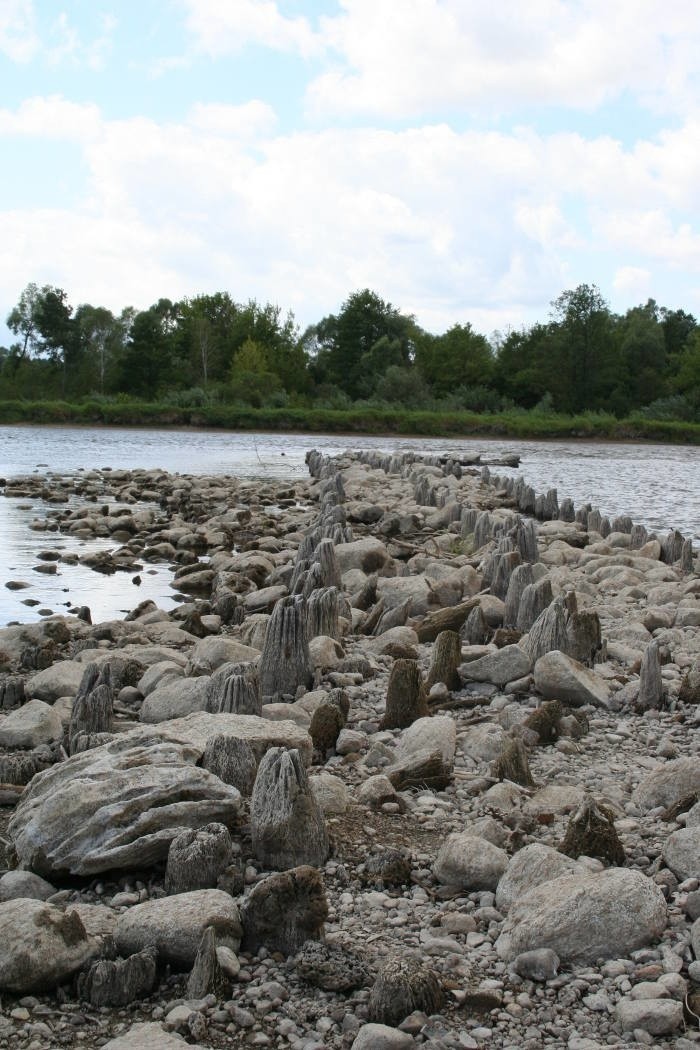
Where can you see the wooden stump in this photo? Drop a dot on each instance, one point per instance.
(285, 663)
(196, 858)
(232, 760)
(584, 636)
(548, 632)
(403, 986)
(544, 721)
(206, 976)
(446, 658)
(322, 613)
(521, 577)
(591, 833)
(237, 694)
(535, 599)
(93, 705)
(287, 825)
(405, 697)
(512, 764)
(651, 690)
(475, 630)
(118, 982)
(284, 910)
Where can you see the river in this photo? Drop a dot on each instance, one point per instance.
(658, 485)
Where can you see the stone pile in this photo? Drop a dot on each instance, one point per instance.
(416, 762)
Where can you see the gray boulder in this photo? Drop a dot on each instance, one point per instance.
(668, 784)
(470, 862)
(682, 852)
(584, 917)
(175, 697)
(31, 725)
(116, 806)
(14, 884)
(174, 926)
(530, 867)
(560, 677)
(41, 946)
(210, 653)
(505, 665)
(61, 679)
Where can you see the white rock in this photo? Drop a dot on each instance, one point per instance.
(175, 697)
(41, 946)
(29, 726)
(330, 792)
(174, 925)
(668, 784)
(485, 742)
(436, 732)
(61, 679)
(147, 1036)
(560, 677)
(606, 914)
(381, 1037)
(655, 1016)
(682, 852)
(469, 862)
(505, 665)
(217, 649)
(531, 866)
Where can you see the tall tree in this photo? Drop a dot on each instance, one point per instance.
(460, 357)
(584, 325)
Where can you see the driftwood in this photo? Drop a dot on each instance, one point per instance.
(449, 619)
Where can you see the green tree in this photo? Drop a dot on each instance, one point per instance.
(585, 347)
(103, 338)
(251, 378)
(643, 355)
(460, 357)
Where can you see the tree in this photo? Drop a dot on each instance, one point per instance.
(252, 378)
(643, 354)
(145, 362)
(460, 357)
(23, 321)
(353, 348)
(584, 324)
(102, 337)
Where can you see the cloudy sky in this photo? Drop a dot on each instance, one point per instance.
(466, 160)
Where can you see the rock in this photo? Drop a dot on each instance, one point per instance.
(118, 982)
(655, 1016)
(499, 668)
(668, 784)
(330, 793)
(285, 910)
(436, 732)
(331, 967)
(382, 1037)
(207, 976)
(61, 679)
(147, 1036)
(287, 826)
(367, 554)
(197, 857)
(541, 964)
(175, 698)
(401, 987)
(528, 868)
(116, 806)
(174, 926)
(31, 725)
(584, 917)
(559, 677)
(690, 686)
(682, 852)
(15, 884)
(210, 653)
(470, 862)
(196, 730)
(484, 742)
(41, 946)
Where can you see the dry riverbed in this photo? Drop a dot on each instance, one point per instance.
(415, 762)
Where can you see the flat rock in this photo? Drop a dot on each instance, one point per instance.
(117, 806)
(174, 925)
(655, 1016)
(382, 1037)
(14, 884)
(210, 653)
(584, 917)
(31, 725)
(368, 554)
(197, 729)
(41, 946)
(560, 677)
(505, 665)
(147, 1036)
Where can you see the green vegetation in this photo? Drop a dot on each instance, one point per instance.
(210, 361)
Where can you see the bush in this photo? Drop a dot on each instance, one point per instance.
(676, 407)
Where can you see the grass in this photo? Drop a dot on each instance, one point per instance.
(362, 420)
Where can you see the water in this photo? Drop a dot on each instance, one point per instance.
(658, 485)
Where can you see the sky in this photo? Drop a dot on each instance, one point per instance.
(467, 161)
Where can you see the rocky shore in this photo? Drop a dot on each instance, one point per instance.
(415, 762)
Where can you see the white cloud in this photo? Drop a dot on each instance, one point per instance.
(251, 118)
(52, 117)
(477, 226)
(18, 38)
(224, 28)
(498, 58)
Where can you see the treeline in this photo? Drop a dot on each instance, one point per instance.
(210, 351)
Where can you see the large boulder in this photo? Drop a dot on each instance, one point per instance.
(367, 554)
(470, 862)
(41, 946)
(116, 806)
(505, 665)
(560, 677)
(670, 783)
(682, 852)
(197, 729)
(530, 867)
(175, 697)
(584, 917)
(31, 725)
(61, 679)
(174, 926)
(435, 732)
(210, 653)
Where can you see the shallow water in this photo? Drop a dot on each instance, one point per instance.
(657, 485)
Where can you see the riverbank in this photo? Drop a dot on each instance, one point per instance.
(359, 421)
(468, 692)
